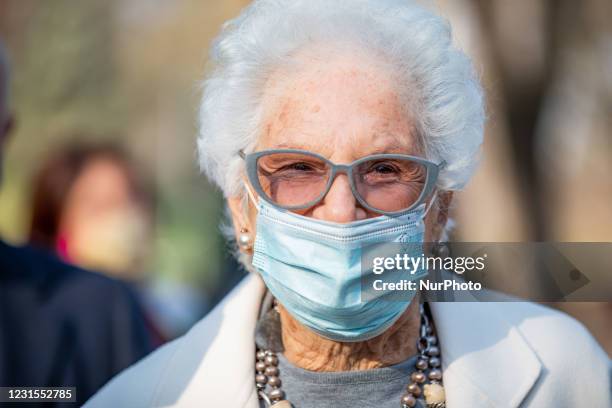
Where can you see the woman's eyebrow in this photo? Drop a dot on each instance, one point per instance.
(393, 147)
(392, 144)
(390, 149)
(288, 146)
(387, 141)
(297, 146)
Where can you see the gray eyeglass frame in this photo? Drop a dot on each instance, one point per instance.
(432, 169)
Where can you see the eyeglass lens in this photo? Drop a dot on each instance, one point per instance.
(385, 184)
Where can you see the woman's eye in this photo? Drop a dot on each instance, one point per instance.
(384, 169)
(297, 167)
(301, 167)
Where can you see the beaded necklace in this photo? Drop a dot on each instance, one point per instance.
(428, 368)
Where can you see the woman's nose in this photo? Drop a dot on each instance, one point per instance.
(339, 205)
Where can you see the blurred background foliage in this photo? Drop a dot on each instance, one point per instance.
(126, 71)
(129, 71)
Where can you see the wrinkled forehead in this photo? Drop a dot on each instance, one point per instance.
(327, 101)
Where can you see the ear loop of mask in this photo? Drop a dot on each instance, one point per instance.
(421, 221)
(251, 195)
(434, 197)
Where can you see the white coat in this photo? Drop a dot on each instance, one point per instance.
(504, 354)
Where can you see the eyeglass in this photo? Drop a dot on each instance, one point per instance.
(388, 184)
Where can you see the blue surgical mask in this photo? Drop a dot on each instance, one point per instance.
(314, 270)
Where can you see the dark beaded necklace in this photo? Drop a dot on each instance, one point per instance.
(428, 368)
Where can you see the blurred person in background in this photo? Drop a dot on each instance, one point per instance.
(93, 208)
(331, 127)
(61, 326)
(89, 206)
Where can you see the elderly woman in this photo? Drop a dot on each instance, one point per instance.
(331, 126)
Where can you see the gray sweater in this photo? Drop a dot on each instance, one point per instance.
(380, 388)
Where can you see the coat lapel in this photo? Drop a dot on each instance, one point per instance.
(486, 361)
(214, 365)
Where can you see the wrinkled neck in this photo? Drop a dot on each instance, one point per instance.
(308, 350)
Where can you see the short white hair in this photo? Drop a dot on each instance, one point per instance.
(445, 93)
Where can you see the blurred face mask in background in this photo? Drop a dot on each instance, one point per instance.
(114, 241)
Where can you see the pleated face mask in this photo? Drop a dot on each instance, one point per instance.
(314, 269)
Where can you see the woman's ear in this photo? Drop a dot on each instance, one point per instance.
(445, 199)
(241, 218)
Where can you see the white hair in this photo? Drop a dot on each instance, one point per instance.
(445, 95)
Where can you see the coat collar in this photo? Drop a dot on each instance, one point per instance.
(487, 362)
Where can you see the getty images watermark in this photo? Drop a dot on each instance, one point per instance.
(419, 265)
(493, 271)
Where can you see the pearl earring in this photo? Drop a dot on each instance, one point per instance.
(244, 239)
